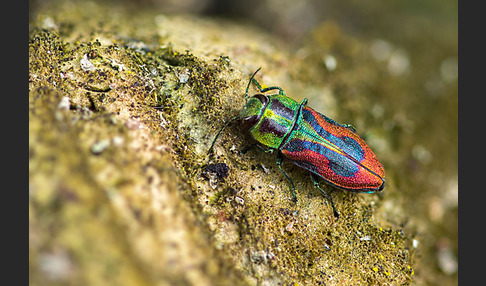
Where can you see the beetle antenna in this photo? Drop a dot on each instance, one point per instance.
(220, 131)
(249, 82)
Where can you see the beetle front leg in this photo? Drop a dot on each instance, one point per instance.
(251, 146)
(326, 195)
(220, 131)
(279, 164)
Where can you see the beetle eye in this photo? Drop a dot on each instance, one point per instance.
(250, 121)
(263, 99)
(253, 109)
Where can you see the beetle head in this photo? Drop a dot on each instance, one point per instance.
(253, 110)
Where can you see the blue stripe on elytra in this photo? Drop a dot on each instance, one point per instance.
(345, 143)
(338, 163)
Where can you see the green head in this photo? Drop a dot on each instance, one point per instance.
(253, 110)
(269, 119)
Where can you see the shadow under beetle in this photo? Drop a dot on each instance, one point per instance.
(311, 141)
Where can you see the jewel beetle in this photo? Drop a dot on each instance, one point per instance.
(310, 140)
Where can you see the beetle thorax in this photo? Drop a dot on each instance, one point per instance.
(269, 119)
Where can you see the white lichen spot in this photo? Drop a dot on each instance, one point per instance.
(213, 180)
(290, 227)
(265, 169)
(154, 72)
(183, 75)
(330, 62)
(163, 122)
(239, 200)
(117, 66)
(415, 243)
(62, 107)
(64, 104)
(86, 64)
(100, 146)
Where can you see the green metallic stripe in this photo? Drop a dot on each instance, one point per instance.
(266, 137)
(294, 123)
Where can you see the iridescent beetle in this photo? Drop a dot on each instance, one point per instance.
(311, 141)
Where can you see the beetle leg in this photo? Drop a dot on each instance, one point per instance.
(247, 148)
(326, 195)
(350, 127)
(255, 82)
(249, 82)
(268, 150)
(220, 131)
(279, 164)
(280, 90)
(251, 146)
